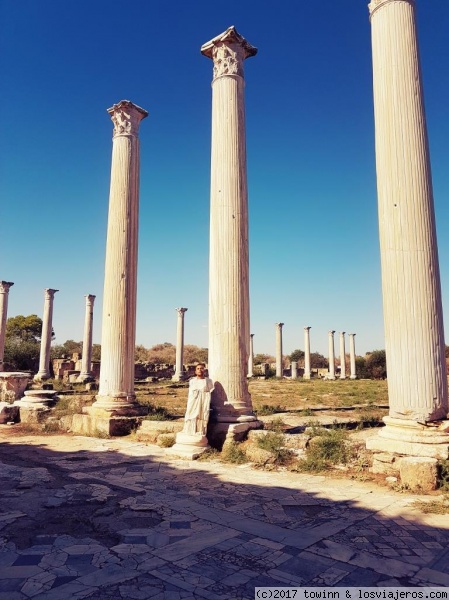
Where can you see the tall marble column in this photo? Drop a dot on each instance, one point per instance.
(414, 336)
(353, 374)
(86, 363)
(331, 374)
(229, 332)
(251, 356)
(307, 372)
(279, 359)
(46, 335)
(4, 295)
(116, 391)
(179, 369)
(342, 356)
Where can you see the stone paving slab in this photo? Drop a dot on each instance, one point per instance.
(109, 519)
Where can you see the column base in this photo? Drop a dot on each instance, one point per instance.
(42, 376)
(37, 399)
(188, 446)
(110, 406)
(178, 378)
(409, 438)
(306, 376)
(353, 377)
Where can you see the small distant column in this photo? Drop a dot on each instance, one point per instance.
(86, 363)
(294, 370)
(47, 330)
(279, 362)
(331, 374)
(307, 372)
(179, 369)
(342, 356)
(4, 295)
(353, 374)
(251, 356)
(229, 332)
(116, 391)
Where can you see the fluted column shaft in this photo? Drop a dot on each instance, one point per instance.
(179, 369)
(307, 372)
(353, 374)
(294, 370)
(47, 331)
(229, 331)
(120, 285)
(251, 356)
(414, 336)
(331, 355)
(342, 356)
(4, 295)
(279, 362)
(86, 363)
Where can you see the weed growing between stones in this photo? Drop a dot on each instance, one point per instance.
(266, 410)
(277, 425)
(443, 475)
(327, 448)
(166, 440)
(233, 453)
(437, 506)
(274, 442)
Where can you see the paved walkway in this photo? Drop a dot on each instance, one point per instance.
(110, 519)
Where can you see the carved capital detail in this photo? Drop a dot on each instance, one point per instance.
(4, 286)
(49, 293)
(90, 299)
(228, 51)
(126, 117)
(374, 4)
(181, 311)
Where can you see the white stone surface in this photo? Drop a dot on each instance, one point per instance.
(251, 356)
(342, 355)
(307, 372)
(279, 357)
(4, 295)
(414, 336)
(353, 374)
(229, 331)
(86, 364)
(47, 330)
(116, 390)
(294, 370)
(331, 374)
(179, 368)
(12, 385)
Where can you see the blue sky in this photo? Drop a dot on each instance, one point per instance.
(314, 251)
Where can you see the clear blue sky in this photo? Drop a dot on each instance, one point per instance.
(314, 251)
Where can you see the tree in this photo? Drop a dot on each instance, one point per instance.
(21, 355)
(24, 328)
(263, 358)
(296, 355)
(195, 354)
(96, 351)
(66, 349)
(318, 361)
(376, 364)
(360, 368)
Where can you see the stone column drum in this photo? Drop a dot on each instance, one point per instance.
(331, 374)
(116, 391)
(279, 361)
(307, 372)
(47, 331)
(179, 368)
(229, 332)
(352, 374)
(414, 336)
(86, 363)
(4, 295)
(251, 356)
(294, 370)
(342, 356)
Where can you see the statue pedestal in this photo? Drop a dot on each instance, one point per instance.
(189, 446)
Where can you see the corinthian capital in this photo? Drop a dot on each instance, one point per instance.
(49, 293)
(126, 117)
(228, 51)
(4, 286)
(374, 4)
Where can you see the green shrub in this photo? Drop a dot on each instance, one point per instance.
(233, 453)
(274, 442)
(326, 449)
(443, 475)
(275, 425)
(266, 410)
